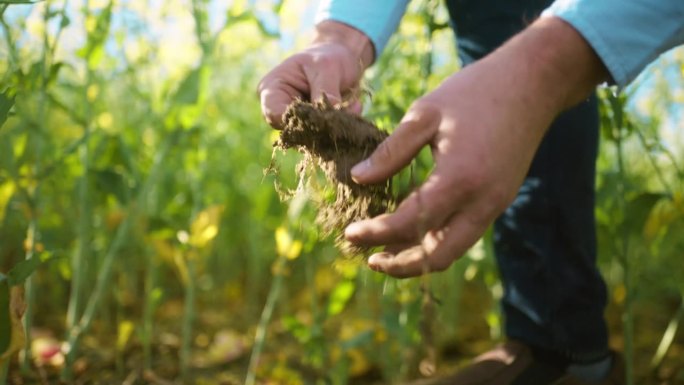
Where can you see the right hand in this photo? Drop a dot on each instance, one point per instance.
(332, 65)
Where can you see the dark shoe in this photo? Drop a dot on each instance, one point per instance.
(514, 363)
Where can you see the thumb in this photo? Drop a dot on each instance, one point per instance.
(408, 263)
(417, 128)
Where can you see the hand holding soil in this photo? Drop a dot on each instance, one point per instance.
(331, 66)
(333, 141)
(484, 125)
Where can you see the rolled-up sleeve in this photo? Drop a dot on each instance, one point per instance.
(626, 34)
(378, 19)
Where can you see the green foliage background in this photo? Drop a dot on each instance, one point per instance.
(132, 152)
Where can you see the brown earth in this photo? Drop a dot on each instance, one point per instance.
(333, 141)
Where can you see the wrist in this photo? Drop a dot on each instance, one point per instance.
(358, 44)
(568, 68)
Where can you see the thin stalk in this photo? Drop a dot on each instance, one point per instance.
(319, 355)
(78, 264)
(266, 314)
(668, 336)
(32, 231)
(148, 312)
(11, 47)
(654, 163)
(105, 272)
(188, 318)
(4, 371)
(79, 260)
(29, 293)
(628, 315)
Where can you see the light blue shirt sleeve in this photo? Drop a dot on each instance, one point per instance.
(378, 19)
(626, 34)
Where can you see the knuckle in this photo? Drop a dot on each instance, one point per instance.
(424, 112)
(322, 60)
(439, 264)
(471, 183)
(383, 153)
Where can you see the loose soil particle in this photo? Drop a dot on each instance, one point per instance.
(333, 141)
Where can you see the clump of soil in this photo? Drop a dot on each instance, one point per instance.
(333, 141)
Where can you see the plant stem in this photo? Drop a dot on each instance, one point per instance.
(29, 293)
(32, 231)
(120, 239)
(188, 318)
(79, 260)
(266, 314)
(148, 312)
(4, 371)
(668, 336)
(628, 316)
(84, 225)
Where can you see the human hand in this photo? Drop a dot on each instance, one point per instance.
(332, 65)
(483, 125)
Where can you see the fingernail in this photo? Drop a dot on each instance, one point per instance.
(374, 263)
(352, 231)
(360, 169)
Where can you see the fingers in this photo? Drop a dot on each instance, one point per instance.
(427, 208)
(437, 253)
(298, 77)
(418, 128)
(275, 97)
(323, 82)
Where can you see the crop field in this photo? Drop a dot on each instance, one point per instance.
(150, 233)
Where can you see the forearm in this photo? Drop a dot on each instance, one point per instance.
(552, 63)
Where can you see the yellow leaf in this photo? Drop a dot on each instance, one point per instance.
(125, 331)
(661, 216)
(205, 227)
(295, 250)
(105, 120)
(359, 363)
(286, 246)
(238, 8)
(6, 192)
(283, 241)
(92, 92)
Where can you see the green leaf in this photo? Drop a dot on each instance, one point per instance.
(6, 104)
(340, 296)
(19, 1)
(5, 321)
(22, 270)
(188, 91)
(638, 210)
(94, 47)
(360, 339)
(111, 182)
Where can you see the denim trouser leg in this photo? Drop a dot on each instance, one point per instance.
(545, 242)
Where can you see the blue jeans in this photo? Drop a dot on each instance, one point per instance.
(545, 242)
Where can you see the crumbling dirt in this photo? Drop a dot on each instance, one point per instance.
(333, 141)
